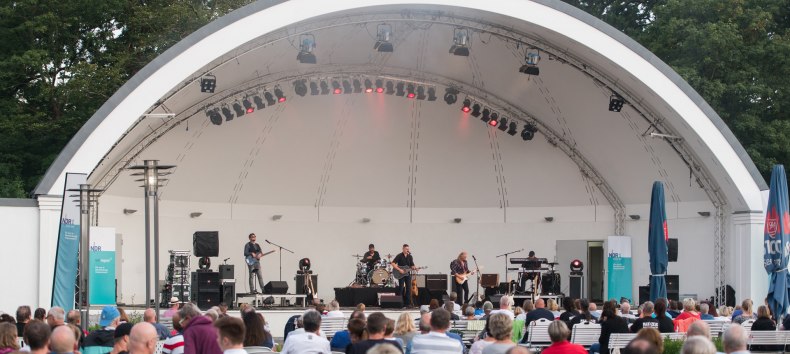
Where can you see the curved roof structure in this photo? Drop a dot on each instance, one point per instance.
(385, 150)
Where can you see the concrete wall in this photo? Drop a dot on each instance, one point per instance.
(19, 253)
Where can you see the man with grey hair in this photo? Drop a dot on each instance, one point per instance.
(703, 312)
(56, 317)
(734, 340)
(647, 320)
(559, 334)
(698, 345)
(309, 341)
(504, 307)
(62, 340)
(487, 308)
(143, 338)
(698, 328)
(449, 306)
(625, 312)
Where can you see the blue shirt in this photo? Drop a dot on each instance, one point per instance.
(341, 340)
(706, 317)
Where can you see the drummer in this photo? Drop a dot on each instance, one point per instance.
(371, 257)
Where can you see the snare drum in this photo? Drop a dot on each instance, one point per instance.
(379, 276)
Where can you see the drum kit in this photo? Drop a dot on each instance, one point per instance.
(380, 275)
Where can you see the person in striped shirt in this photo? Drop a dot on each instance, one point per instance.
(175, 343)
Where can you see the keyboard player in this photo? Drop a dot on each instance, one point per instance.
(532, 268)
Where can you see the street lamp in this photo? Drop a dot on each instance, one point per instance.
(87, 196)
(151, 173)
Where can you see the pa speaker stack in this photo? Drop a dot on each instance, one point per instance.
(206, 289)
(205, 243)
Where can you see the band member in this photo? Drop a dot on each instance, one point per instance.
(371, 257)
(404, 262)
(252, 254)
(459, 267)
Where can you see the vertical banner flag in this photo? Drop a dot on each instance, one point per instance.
(67, 256)
(776, 240)
(101, 268)
(619, 279)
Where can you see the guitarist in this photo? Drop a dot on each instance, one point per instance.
(460, 271)
(404, 262)
(252, 250)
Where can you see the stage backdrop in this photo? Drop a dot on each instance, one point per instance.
(102, 266)
(67, 256)
(619, 280)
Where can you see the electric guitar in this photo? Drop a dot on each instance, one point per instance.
(461, 278)
(399, 275)
(253, 260)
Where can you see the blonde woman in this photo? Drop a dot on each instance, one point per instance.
(404, 328)
(689, 310)
(553, 307)
(747, 314)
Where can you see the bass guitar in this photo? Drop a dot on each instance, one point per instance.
(399, 275)
(253, 260)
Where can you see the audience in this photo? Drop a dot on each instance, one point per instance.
(404, 328)
(308, 341)
(734, 339)
(763, 321)
(665, 324)
(500, 326)
(653, 336)
(480, 344)
(149, 315)
(488, 307)
(173, 307)
(37, 337)
(101, 341)
(40, 314)
(200, 336)
(704, 310)
(62, 340)
(625, 311)
(334, 310)
(22, 318)
(121, 339)
(56, 317)
(342, 339)
(389, 333)
(504, 307)
(376, 328)
(698, 328)
(469, 313)
(641, 346)
(143, 338)
(457, 307)
(570, 311)
(559, 333)
(124, 316)
(585, 314)
(552, 306)
(384, 348)
(539, 312)
(647, 320)
(610, 323)
(256, 334)
(689, 310)
(449, 306)
(436, 341)
(746, 312)
(8, 336)
(698, 345)
(175, 343)
(231, 335)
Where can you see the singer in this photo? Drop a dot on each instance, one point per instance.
(252, 254)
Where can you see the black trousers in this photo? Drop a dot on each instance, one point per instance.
(404, 288)
(462, 290)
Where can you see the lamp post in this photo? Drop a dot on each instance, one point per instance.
(151, 178)
(86, 196)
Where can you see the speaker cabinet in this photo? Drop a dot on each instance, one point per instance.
(576, 288)
(391, 301)
(205, 243)
(644, 294)
(489, 280)
(551, 283)
(226, 271)
(436, 281)
(673, 286)
(206, 289)
(672, 248)
(229, 294)
(300, 283)
(275, 287)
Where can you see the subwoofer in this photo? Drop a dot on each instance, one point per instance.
(205, 243)
(391, 301)
(206, 289)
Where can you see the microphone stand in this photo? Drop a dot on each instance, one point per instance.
(281, 256)
(505, 255)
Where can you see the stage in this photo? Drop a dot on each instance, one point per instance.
(351, 296)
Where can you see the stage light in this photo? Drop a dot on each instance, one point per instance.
(300, 88)
(431, 94)
(227, 113)
(258, 102)
(304, 264)
(336, 88)
(357, 86)
(324, 88)
(368, 86)
(347, 87)
(379, 86)
(314, 88)
(214, 116)
(476, 110)
(238, 108)
(451, 95)
(390, 88)
(494, 119)
(306, 47)
(512, 129)
(420, 93)
(208, 83)
(279, 93)
(576, 265)
(383, 44)
(531, 67)
(248, 105)
(529, 132)
(486, 116)
(269, 98)
(400, 89)
(460, 45)
(410, 90)
(466, 107)
(616, 103)
(503, 124)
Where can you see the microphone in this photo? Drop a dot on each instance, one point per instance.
(473, 257)
(267, 241)
(226, 259)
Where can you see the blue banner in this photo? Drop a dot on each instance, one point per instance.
(619, 269)
(776, 243)
(101, 269)
(67, 256)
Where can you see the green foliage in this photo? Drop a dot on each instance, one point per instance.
(672, 346)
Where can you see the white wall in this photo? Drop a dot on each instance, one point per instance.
(19, 254)
(434, 240)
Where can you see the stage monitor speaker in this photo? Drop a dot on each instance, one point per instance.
(436, 281)
(226, 271)
(489, 280)
(672, 248)
(576, 286)
(391, 301)
(644, 294)
(205, 243)
(275, 287)
(300, 283)
(228, 294)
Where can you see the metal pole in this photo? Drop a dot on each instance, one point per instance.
(83, 255)
(147, 245)
(87, 253)
(156, 254)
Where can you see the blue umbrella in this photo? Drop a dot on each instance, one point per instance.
(657, 243)
(776, 238)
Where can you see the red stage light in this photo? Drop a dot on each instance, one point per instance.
(466, 109)
(379, 90)
(281, 99)
(250, 110)
(368, 90)
(492, 123)
(411, 95)
(338, 91)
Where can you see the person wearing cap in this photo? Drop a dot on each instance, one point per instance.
(121, 345)
(101, 341)
(174, 301)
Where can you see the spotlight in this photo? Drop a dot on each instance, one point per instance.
(512, 128)
(227, 113)
(467, 103)
(239, 110)
(486, 115)
(529, 132)
(390, 88)
(347, 87)
(476, 110)
(306, 47)
(279, 93)
(460, 45)
(383, 44)
(368, 86)
(269, 98)
(494, 119)
(577, 266)
(431, 94)
(503, 124)
(314, 88)
(450, 95)
(304, 264)
(357, 86)
(336, 88)
(208, 83)
(248, 105)
(400, 89)
(324, 88)
(421, 93)
(616, 103)
(300, 88)
(214, 116)
(258, 102)
(531, 66)
(379, 86)
(410, 91)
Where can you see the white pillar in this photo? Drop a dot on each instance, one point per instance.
(49, 224)
(750, 278)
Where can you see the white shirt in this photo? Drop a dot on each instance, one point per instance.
(505, 311)
(434, 342)
(235, 351)
(301, 331)
(522, 317)
(457, 309)
(306, 343)
(336, 313)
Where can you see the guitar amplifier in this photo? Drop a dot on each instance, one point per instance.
(436, 281)
(489, 280)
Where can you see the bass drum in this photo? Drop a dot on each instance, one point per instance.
(379, 277)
